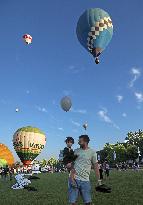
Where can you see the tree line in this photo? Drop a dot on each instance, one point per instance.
(130, 149)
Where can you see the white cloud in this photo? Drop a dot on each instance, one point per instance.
(27, 92)
(139, 96)
(119, 98)
(41, 109)
(80, 111)
(3, 101)
(124, 115)
(67, 92)
(53, 102)
(138, 107)
(74, 130)
(103, 114)
(135, 71)
(61, 129)
(71, 67)
(75, 69)
(136, 74)
(75, 123)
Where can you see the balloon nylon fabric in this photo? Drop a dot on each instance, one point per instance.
(94, 25)
(66, 103)
(28, 143)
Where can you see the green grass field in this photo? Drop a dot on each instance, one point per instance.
(127, 189)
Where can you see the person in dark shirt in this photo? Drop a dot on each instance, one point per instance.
(69, 157)
(5, 172)
(100, 170)
(10, 173)
(106, 168)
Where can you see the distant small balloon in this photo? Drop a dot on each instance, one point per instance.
(85, 126)
(17, 110)
(66, 103)
(27, 38)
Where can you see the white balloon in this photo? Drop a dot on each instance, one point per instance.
(17, 110)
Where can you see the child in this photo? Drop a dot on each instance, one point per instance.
(69, 158)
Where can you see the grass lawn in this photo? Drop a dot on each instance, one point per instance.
(127, 189)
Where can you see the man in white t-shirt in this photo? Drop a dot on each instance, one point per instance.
(86, 158)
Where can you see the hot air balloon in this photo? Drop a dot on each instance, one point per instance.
(66, 103)
(28, 142)
(94, 31)
(17, 110)
(85, 126)
(3, 162)
(27, 38)
(6, 155)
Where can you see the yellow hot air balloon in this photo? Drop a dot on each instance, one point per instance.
(3, 162)
(28, 143)
(6, 155)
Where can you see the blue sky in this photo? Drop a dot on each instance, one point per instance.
(34, 78)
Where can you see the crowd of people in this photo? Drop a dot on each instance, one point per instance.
(6, 172)
(123, 166)
(79, 164)
(104, 169)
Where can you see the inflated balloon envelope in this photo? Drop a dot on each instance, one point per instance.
(94, 31)
(85, 126)
(6, 156)
(27, 38)
(66, 103)
(28, 143)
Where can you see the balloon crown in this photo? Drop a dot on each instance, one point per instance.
(30, 129)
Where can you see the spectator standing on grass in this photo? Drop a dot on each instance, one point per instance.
(126, 166)
(10, 173)
(120, 166)
(14, 171)
(100, 170)
(117, 167)
(123, 166)
(86, 158)
(107, 169)
(136, 166)
(0, 172)
(5, 172)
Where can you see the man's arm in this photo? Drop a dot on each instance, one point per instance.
(96, 169)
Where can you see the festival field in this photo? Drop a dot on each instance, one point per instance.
(127, 189)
